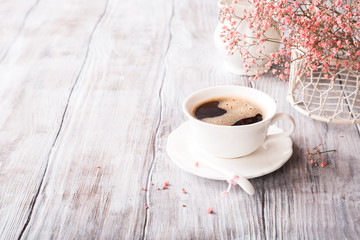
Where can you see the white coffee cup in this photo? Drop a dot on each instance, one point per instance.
(234, 141)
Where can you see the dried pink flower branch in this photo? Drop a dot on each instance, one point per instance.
(315, 156)
(324, 31)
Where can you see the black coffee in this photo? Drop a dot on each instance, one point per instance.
(229, 111)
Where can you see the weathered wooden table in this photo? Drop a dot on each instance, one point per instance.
(89, 92)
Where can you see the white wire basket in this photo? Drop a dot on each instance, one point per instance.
(322, 99)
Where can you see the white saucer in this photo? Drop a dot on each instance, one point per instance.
(183, 153)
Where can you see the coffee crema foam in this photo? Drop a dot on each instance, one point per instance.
(229, 110)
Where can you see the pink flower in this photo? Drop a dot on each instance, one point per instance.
(287, 21)
(325, 31)
(339, 21)
(338, 3)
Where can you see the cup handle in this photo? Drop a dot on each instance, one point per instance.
(273, 137)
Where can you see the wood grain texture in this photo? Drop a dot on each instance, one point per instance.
(89, 92)
(33, 97)
(107, 121)
(14, 16)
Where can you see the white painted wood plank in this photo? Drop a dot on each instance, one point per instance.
(36, 77)
(111, 122)
(14, 15)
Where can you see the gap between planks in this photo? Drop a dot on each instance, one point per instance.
(20, 29)
(152, 165)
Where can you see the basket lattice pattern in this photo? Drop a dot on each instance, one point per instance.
(336, 101)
